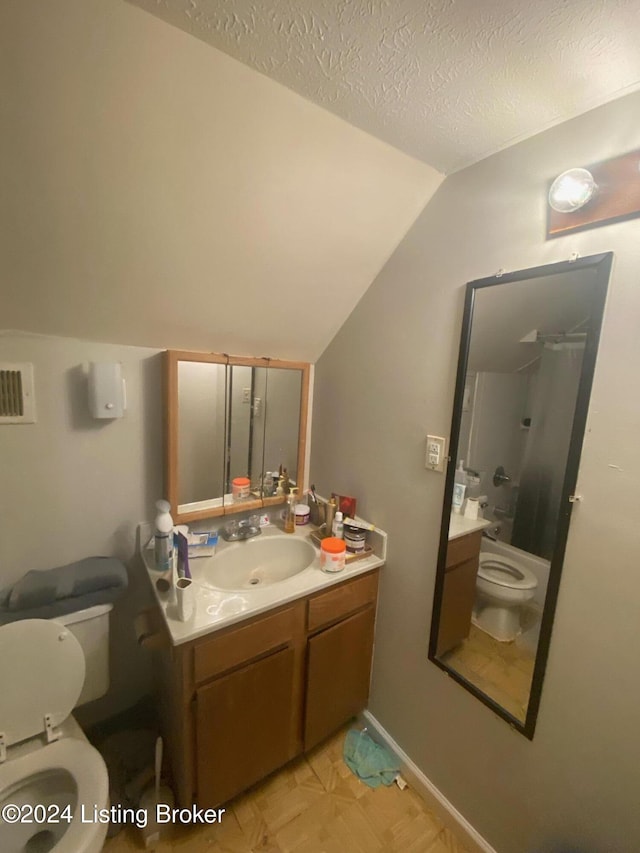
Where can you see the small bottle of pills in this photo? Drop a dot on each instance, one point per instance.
(332, 554)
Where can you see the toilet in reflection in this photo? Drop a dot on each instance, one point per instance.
(503, 585)
(48, 769)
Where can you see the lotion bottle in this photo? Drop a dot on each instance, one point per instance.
(459, 488)
(290, 517)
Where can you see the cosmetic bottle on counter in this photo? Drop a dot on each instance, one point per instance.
(290, 517)
(459, 488)
(329, 515)
(337, 528)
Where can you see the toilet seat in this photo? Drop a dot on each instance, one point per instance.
(85, 764)
(505, 572)
(44, 663)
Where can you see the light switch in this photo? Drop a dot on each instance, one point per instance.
(436, 455)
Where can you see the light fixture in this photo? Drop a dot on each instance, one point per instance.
(572, 190)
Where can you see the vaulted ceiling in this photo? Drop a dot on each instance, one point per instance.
(160, 192)
(447, 81)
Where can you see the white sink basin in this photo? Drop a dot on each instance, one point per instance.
(259, 561)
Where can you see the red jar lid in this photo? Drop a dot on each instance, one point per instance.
(333, 545)
(241, 481)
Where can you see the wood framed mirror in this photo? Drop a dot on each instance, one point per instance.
(227, 417)
(526, 362)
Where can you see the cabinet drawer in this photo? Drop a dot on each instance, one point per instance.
(342, 600)
(463, 548)
(239, 645)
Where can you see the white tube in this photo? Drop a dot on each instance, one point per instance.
(184, 598)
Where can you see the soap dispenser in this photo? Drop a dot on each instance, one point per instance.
(290, 517)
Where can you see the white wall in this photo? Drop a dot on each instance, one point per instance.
(282, 435)
(157, 192)
(577, 781)
(496, 437)
(74, 487)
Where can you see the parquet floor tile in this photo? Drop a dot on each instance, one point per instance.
(501, 670)
(314, 805)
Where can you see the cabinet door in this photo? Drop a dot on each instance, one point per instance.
(458, 597)
(338, 674)
(243, 727)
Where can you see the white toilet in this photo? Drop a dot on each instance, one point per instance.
(503, 585)
(48, 769)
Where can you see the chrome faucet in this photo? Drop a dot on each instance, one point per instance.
(492, 533)
(239, 531)
(500, 477)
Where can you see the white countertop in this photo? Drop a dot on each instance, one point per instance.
(461, 526)
(217, 608)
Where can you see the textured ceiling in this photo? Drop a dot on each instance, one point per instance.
(447, 81)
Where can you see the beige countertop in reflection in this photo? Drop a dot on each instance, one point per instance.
(461, 526)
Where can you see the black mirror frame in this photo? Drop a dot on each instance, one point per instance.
(601, 263)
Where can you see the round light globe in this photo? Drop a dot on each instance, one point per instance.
(572, 190)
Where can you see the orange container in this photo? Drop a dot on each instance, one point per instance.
(332, 554)
(240, 488)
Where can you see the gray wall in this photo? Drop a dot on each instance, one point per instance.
(74, 487)
(386, 380)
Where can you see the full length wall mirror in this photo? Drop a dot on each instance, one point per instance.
(230, 417)
(527, 357)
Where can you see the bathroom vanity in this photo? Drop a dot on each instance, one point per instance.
(242, 702)
(259, 675)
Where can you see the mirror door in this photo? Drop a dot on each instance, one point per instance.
(228, 417)
(526, 363)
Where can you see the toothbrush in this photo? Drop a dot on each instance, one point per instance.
(183, 557)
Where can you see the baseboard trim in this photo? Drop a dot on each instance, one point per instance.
(423, 786)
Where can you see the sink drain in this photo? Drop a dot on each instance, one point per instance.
(254, 581)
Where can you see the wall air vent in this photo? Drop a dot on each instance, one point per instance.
(17, 400)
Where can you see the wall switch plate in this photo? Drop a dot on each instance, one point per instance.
(436, 453)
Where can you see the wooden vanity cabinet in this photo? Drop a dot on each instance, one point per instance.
(233, 714)
(459, 591)
(241, 702)
(339, 656)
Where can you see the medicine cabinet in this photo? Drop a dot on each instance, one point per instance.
(228, 417)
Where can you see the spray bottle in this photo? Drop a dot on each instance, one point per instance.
(163, 537)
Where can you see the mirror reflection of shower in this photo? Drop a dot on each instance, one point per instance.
(515, 437)
(505, 524)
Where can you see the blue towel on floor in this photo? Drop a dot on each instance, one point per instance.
(56, 592)
(370, 762)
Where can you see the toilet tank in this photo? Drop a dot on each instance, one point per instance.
(91, 629)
